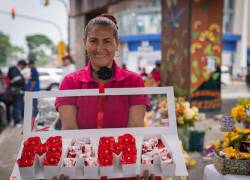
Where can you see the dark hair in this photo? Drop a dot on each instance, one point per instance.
(158, 64)
(103, 20)
(22, 62)
(31, 62)
(69, 58)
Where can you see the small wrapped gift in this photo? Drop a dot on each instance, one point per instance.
(68, 167)
(147, 163)
(40, 151)
(32, 141)
(128, 162)
(167, 164)
(106, 163)
(126, 139)
(90, 167)
(26, 167)
(51, 164)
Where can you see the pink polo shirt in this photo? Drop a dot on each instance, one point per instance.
(116, 108)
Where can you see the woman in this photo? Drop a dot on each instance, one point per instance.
(101, 43)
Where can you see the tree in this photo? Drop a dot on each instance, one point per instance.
(5, 48)
(40, 48)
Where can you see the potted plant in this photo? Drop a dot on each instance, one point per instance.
(241, 112)
(186, 116)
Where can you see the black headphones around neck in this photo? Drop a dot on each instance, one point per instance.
(104, 73)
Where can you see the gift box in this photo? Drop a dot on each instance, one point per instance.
(51, 163)
(90, 167)
(68, 167)
(157, 153)
(106, 165)
(27, 167)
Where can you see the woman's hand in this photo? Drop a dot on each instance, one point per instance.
(61, 177)
(146, 176)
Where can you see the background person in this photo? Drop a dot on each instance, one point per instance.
(33, 85)
(68, 66)
(15, 92)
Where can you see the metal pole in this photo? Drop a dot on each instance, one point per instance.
(67, 9)
(36, 19)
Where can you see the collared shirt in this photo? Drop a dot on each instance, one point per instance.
(34, 76)
(116, 108)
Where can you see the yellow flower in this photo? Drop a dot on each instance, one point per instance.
(244, 155)
(215, 27)
(235, 137)
(207, 35)
(248, 137)
(189, 114)
(180, 120)
(234, 113)
(226, 143)
(195, 47)
(245, 131)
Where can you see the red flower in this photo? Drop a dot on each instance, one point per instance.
(54, 149)
(131, 148)
(106, 140)
(32, 141)
(28, 152)
(52, 159)
(25, 161)
(160, 144)
(126, 139)
(41, 149)
(128, 158)
(117, 148)
(106, 160)
(104, 150)
(54, 140)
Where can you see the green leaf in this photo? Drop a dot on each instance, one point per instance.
(208, 50)
(215, 76)
(205, 74)
(193, 78)
(194, 63)
(195, 35)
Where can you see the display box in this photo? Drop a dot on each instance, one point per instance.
(167, 134)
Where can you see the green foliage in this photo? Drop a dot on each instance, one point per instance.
(35, 41)
(244, 101)
(5, 48)
(37, 45)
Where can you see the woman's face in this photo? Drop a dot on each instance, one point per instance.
(100, 45)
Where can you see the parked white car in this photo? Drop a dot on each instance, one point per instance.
(49, 78)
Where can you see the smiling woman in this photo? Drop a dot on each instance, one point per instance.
(89, 112)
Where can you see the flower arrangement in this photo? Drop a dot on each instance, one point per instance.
(234, 146)
(185, 114)
(241, 112)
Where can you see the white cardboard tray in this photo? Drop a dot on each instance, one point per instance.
(169, 132)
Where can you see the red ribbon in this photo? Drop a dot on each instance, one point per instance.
(101, 88)
(100, 113)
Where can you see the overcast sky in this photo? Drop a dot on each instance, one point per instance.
(18, 28)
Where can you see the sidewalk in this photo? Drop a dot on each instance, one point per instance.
(10, 140)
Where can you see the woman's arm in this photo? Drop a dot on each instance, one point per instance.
(136, 116)
(68, 117)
